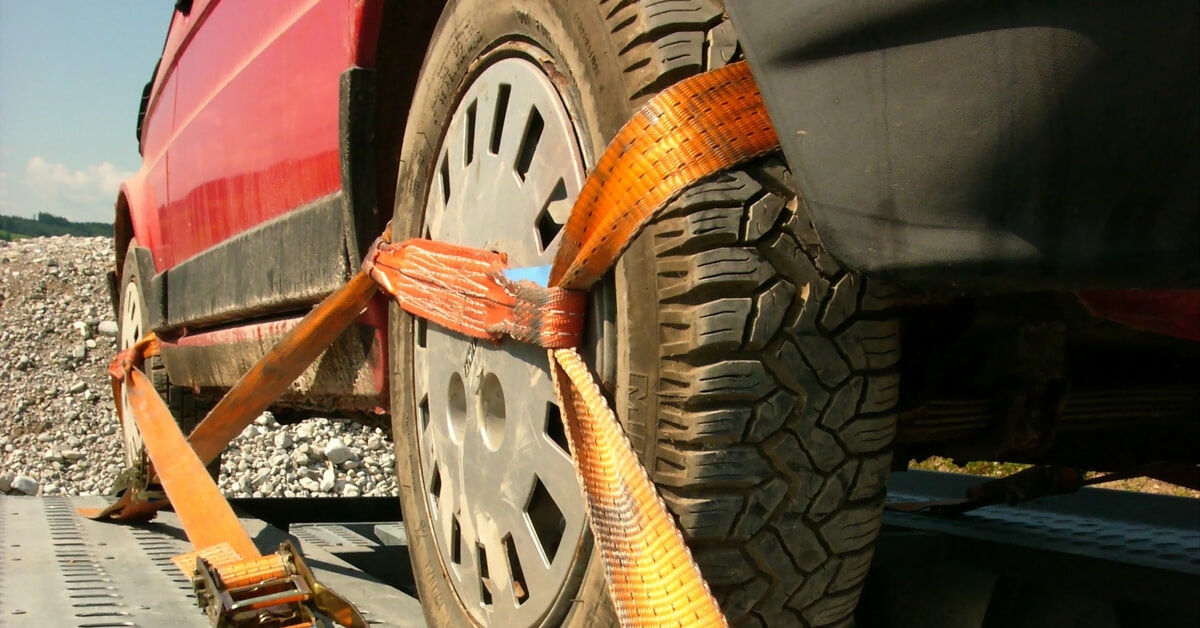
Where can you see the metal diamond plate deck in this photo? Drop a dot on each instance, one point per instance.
(59, 569)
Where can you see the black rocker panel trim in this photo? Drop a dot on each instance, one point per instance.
(283, 264)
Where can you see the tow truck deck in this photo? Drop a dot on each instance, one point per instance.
(1100, 557)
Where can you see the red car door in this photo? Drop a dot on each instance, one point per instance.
(256, 118)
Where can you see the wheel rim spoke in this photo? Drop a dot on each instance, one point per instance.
(502, 181)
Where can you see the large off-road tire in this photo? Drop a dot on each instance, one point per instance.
(133, 323)
(755, 377)
(758, 383)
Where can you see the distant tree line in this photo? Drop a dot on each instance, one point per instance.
(17, 227)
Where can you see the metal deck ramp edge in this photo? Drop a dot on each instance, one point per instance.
(59, 569)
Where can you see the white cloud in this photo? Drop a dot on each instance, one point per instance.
(7, 206)
(95, 184)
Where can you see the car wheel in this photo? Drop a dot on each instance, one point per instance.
(133, 324)
(755, 377)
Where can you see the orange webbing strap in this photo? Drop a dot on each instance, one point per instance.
(242, 582)
(205, 515)
(692, 130)
(130, 505)
(465, 290)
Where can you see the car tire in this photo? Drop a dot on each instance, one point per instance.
(133, 323)
(758, 382)
(756, 378)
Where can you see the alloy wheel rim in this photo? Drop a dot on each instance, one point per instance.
(505, 507)
(130, 332)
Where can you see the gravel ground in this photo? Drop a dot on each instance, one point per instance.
(58, 431)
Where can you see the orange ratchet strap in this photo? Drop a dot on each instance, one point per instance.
(465, 290)
(690, 131)
(234, 583)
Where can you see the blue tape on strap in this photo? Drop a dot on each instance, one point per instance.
(537, 274)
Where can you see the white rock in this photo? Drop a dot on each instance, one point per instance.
(309, 484)
(108, 328)
(25, 484)
(261, 478)
(337, 452)
(350, 490)
(283, 440)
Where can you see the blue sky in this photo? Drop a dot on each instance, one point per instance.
(71, 74)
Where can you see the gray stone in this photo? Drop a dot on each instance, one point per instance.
(25, 484)
(72, 454)
(108, 328)
(261, 478)
(77, 387)
(79, 352)
(337, 452)
(6, 481)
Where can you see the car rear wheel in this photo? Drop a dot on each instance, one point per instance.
(754, 376)
(134, 323)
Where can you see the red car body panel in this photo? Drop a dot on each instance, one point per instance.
(251, 131)
(1168, 312)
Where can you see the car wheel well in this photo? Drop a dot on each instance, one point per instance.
(406, 28)
(122, 232)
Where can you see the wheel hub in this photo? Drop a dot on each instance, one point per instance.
(507, 513)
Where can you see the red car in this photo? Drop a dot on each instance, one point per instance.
(975, 187)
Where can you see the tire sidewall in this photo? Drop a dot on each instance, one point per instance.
(578, 57)
(130, 276)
